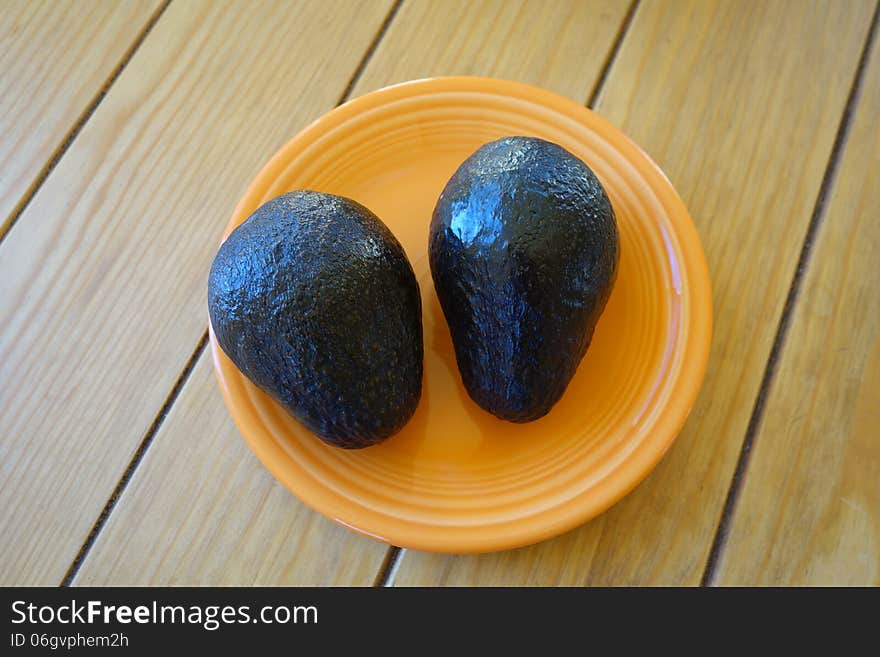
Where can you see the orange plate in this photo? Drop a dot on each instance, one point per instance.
(457, 479)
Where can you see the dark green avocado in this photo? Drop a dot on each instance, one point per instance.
(314, 301)
(523, 251)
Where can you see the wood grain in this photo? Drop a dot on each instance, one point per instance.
(559, 45)
(739, 103)
(138, 543)
(54, 57)
(202, 510)
(810, 510)
(102, 297)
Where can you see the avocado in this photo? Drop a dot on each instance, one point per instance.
(523, 250)
(315, 302)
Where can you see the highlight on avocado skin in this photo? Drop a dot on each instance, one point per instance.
(523, 251)
(314, 300)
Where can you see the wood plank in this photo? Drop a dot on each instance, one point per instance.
(739, 103)
(102, 297)
(202, 510)
(810, 510)
(54, 58)
(134, 546)
(560, 45)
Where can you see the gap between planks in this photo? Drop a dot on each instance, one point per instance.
(612, 53)
(829, 179)
(146, 441)
(79, 123)
(388, 569)
(136, 459)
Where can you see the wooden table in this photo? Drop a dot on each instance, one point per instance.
(131, 128)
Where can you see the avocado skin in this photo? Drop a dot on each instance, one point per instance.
(315, 302)
(523, 251)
